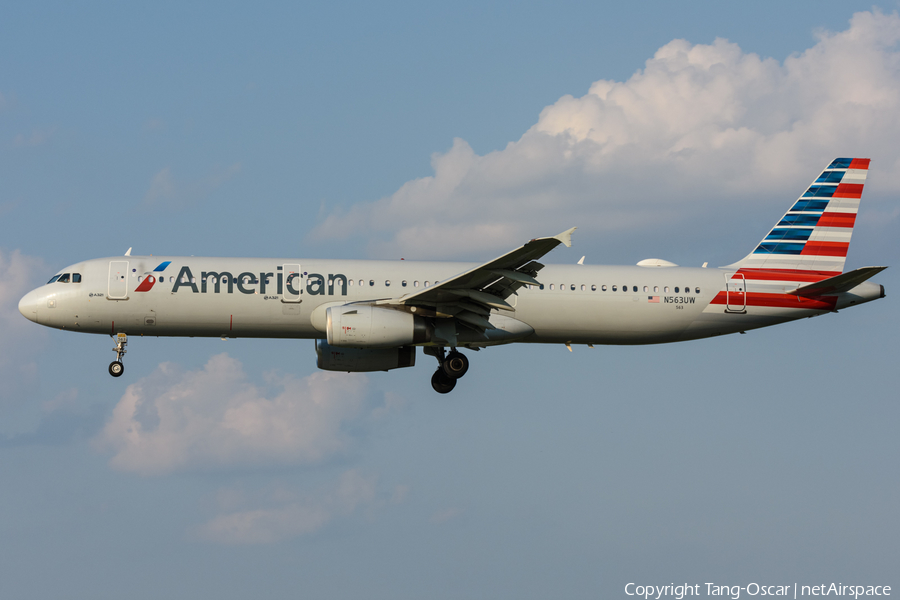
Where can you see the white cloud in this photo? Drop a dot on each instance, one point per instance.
(214, 417)
(444, 515)
(36, 138)
(165, 190)
(20, 339)
(699, 124)
(287, 514)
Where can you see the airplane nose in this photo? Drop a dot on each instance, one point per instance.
(28, 305)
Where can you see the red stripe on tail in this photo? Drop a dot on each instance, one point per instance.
(801, 276)
(836, 219)
(782, 301)
(848, 190)
(825, 249)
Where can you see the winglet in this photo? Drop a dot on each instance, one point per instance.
(128, 253)
(566, 237)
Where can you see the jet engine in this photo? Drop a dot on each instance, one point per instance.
(367, 326)
(360, 360)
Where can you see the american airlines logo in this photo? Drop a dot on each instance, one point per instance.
(148, 282)
(257, 283)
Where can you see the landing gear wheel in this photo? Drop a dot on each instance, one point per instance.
(455, 365)
(441, 383)
(116, 368)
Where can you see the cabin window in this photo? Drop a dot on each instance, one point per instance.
(387, 283)
(426, 284)
(593, 288)
(361, 283)
(330, 283)
(666, 289)
(676, 289)
(551, 286)
(603, 287)
(646, 288)
(583, 287)
(416, 283)
(615, 288)
(139, 278)
(696, 290)
(573, 287)
(541, 286)
(403, 283)
(64, 278)
(655, 288)
(350, 282)
(76, 277)
(371, 283)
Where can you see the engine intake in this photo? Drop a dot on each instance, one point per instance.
(367, 326)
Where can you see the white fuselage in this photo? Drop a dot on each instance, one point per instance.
(247, 297)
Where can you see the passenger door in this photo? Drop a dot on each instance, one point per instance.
(735, 293)
(293, 283)
(118, 280)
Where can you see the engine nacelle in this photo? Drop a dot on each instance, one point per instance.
(361, 360)
(367, 326)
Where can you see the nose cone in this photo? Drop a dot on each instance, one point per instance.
(28, 305)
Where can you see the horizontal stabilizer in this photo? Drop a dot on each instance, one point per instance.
(838, 284)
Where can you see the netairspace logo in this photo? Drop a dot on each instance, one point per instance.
(678, 592)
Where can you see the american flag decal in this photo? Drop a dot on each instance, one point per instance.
(653, 299)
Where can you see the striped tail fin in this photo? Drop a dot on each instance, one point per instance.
(813, 236)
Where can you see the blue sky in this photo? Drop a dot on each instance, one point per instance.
(355, 130)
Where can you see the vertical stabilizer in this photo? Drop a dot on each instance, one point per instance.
(814, 235)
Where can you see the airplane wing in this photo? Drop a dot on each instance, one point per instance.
(470, 296)
(839, 283)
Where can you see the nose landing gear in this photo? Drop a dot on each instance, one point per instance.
(450, 368)
(116, 368)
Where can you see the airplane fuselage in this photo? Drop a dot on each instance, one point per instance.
(577, 304)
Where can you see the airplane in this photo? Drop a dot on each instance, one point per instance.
(371, 315)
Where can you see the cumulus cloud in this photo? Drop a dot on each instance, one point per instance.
(699, 125)
(166, 190)
(215, 417)
(283, 514)
(35, 138)
(20, 339)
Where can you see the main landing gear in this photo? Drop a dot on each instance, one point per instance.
(450, 368)
(116, 368)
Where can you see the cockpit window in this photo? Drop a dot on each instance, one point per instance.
(55, 277)
(64, 278)
(76, 277)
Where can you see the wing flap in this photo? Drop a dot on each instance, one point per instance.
(470, 296)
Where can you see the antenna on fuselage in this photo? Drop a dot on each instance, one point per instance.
(128, 253)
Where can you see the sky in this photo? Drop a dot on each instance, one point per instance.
(233, 469)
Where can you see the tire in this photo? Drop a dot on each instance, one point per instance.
(441, 383)
(116, 368)
(455, 365)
